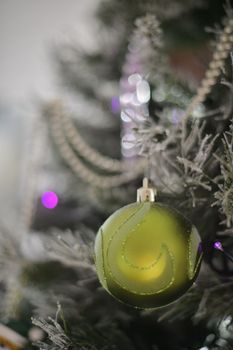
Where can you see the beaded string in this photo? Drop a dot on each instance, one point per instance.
(223, 48)
(84, 172)
(87, 152)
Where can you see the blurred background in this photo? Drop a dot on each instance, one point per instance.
(92, 98)
(28, 32)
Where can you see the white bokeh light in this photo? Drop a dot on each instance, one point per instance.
(143, 91)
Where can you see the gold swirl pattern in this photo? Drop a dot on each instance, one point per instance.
(194, 256)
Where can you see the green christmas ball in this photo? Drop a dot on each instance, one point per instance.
(147, 254)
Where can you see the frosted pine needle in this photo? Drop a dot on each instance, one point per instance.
(224, 195)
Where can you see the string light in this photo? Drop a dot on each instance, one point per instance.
(134, 98)
(218, 246)
(143, 91)
(49, 199)
(115, 104)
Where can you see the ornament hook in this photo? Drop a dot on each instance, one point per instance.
(146, 193)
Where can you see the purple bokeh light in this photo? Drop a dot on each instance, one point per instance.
(115, 104)
(200, 248)
(49, 199)
(218, 245)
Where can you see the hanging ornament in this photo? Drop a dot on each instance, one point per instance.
(147, 254)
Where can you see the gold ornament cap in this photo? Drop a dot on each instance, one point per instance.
(146, 193)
